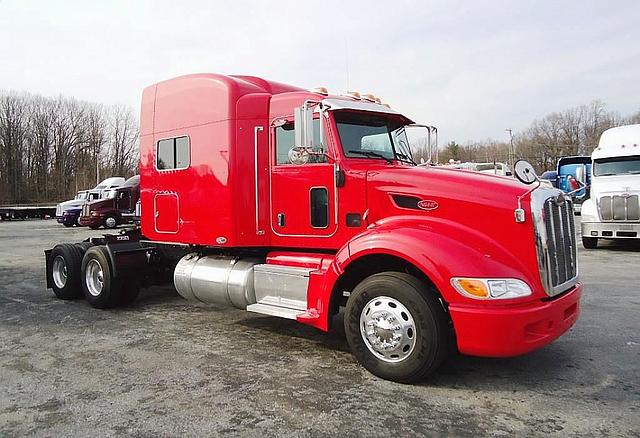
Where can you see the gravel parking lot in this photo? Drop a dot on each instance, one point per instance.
(166, 367)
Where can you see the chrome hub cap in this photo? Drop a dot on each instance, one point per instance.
(110, 222)
(59, 272)
(94, 278)
(388, 329)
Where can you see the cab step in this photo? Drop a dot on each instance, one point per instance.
(281, 312)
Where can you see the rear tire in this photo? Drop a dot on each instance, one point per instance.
(396, 327)
(100, 289)
(590, 242)
(64, 271)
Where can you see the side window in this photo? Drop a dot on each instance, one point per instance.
(285, 141)
(173, 153)
(319, 207)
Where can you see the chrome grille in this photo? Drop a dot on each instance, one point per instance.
(561, 241)
(555, 240)
(619, 208)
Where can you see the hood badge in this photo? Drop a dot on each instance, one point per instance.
(427, 204)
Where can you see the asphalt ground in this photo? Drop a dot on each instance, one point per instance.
(166, 367)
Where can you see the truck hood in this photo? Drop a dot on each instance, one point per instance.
(71, 204)
(100, 203)
(448, 187)
(614, 184)
(478, 210)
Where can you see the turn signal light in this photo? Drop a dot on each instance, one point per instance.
(491, 288)
(475, 288)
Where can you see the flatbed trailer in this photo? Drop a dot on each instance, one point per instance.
(24, 211)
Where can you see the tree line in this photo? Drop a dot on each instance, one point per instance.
(52, 147)
(575, 131)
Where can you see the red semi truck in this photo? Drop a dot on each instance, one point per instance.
(296, 203)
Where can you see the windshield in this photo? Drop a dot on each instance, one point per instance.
(372, 136)
(617, 166)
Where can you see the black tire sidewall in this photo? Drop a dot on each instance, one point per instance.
(104, 222)
(590, 242)
(108, 297)
(72, 258)
(427, 315)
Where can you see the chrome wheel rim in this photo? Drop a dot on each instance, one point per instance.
(110, 222)
(59, 271)
(388, 329)
(94, 277)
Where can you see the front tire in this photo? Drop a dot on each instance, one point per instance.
(590, 242)
(110, 222)
(396, 327)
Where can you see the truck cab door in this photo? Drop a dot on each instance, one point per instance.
(303, 194)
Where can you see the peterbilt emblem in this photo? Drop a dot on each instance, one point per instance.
(427, 204)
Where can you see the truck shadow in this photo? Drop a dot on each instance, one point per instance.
(620, 245)
(549, 365)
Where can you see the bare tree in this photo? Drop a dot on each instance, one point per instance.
(122, 140)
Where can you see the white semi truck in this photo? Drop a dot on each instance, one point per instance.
(613, 211)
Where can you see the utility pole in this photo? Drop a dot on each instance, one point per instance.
(511, 149)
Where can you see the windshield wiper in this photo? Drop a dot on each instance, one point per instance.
(370, 154)
(406, 158)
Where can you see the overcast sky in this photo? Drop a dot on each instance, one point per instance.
(471, 68)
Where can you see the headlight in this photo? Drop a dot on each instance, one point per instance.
(491, 288)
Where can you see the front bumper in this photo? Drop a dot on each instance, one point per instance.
(511, 331)
(69, 219)
(90, 221)
(611, 230)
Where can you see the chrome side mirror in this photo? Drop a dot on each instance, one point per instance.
(525, 172)
(303, 126)
(580, 174)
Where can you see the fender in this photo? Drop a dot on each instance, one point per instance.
(440, 248)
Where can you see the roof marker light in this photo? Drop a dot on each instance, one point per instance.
(320, 90)
(370, 97)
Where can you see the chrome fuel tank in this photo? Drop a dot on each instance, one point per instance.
(216, 279)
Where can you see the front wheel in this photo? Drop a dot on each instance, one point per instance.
(110, 222)
(590, 242)
(396, 327)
